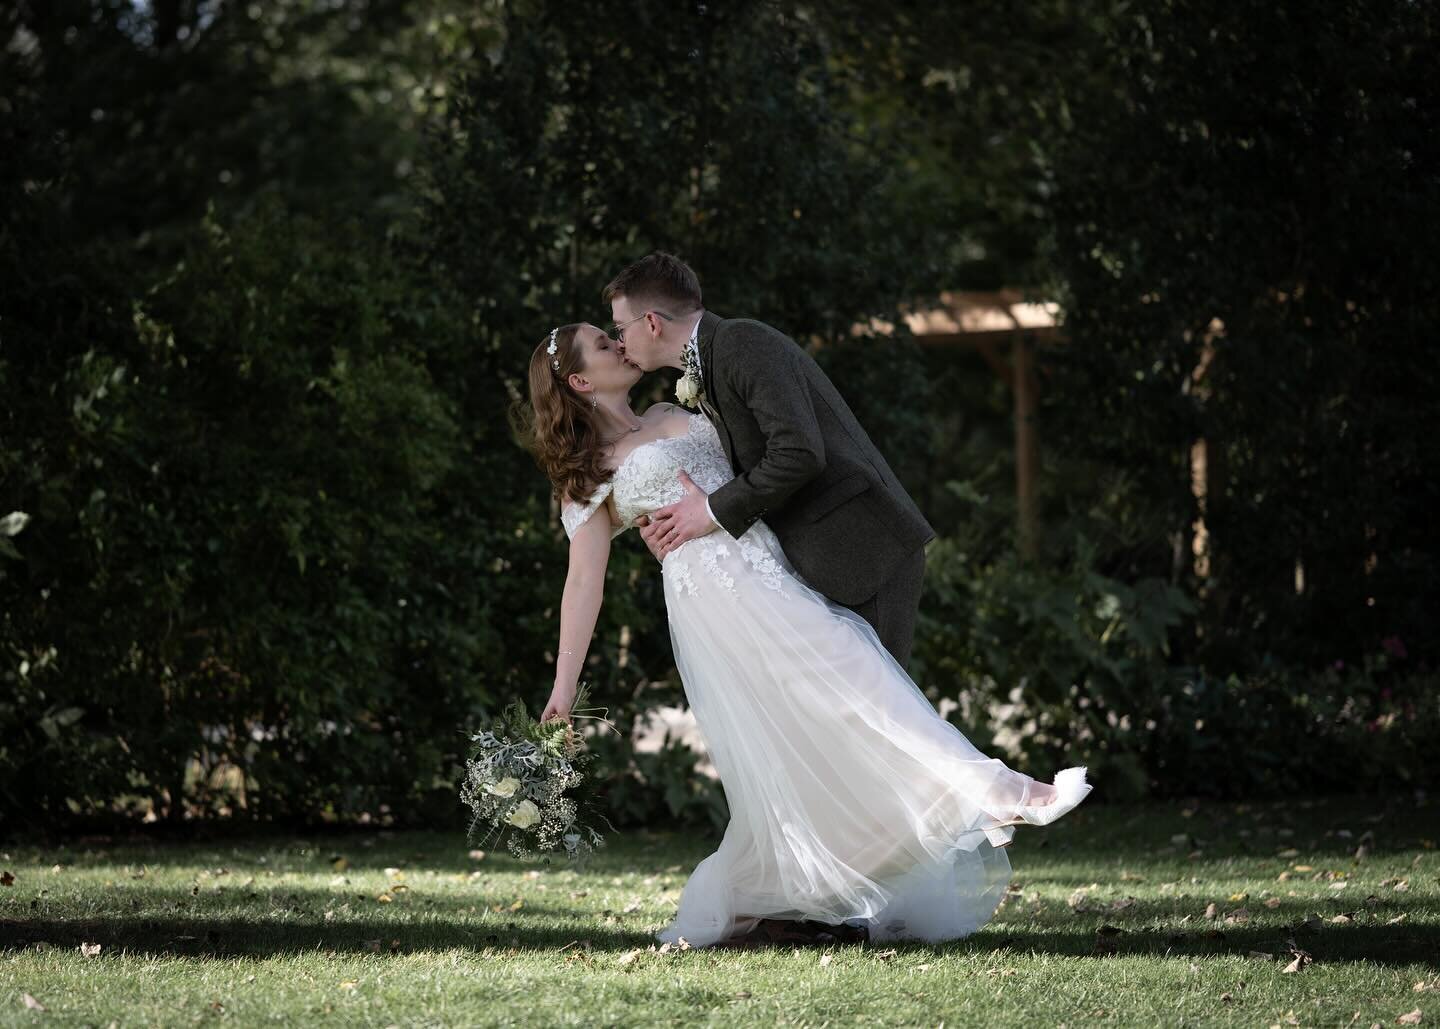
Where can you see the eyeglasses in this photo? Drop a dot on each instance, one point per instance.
(617, 332)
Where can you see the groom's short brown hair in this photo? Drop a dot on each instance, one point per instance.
(659, 280)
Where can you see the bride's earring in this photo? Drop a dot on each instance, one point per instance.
(594, 404)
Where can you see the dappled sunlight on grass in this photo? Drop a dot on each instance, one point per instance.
(1123, 914)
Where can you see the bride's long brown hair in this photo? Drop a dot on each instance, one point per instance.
(559, 426)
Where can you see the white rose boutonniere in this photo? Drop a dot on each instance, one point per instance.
(525, 815)
(506, 787)
(687, 390)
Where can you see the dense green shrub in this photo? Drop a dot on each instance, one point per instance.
(236, 552)
(1230, 227)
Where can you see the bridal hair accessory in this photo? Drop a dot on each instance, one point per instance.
(687, 390)
(554, 361)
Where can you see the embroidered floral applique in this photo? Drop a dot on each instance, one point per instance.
(710, 553)
(679, 573)
(761, 559)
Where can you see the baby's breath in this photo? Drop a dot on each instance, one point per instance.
(517, 780)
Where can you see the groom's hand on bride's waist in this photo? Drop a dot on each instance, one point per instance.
(687, 519)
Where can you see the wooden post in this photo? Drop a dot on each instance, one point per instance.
(1025, 446)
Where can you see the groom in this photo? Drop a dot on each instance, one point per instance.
(801, 460)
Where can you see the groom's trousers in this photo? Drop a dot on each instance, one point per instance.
(892, 610)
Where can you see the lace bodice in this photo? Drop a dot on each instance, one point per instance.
(648, 478)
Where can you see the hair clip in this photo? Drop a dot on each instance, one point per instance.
(554, 361)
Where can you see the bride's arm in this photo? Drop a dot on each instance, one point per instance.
(579, 608)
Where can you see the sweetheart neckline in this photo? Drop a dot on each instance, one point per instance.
(689, 428)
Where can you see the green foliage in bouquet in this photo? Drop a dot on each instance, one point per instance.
(528, 786)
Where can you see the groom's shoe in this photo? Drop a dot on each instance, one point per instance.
(795, 932)
(824, 932)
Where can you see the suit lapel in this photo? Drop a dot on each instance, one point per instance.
(705, 343)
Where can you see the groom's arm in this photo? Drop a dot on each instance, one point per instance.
(765, 371)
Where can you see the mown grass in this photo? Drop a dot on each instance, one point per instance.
(1106, 924)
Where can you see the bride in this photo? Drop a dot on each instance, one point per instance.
(851, 800)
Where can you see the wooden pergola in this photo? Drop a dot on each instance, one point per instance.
(1004, 329)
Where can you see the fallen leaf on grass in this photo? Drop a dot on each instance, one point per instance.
(1239, 898)
(1412, 1018)
(32, 1003)
(631, 908)
(339, 863)
(825, 959)
(1422, 986)
(6, 879)
(1304, 868)
(1396, 920)
(1227, 997)
(350, 984)
(1261, 954)
(1301, 959)
(1341, 920)
(90, 950)
(385, 898)
(1237, 917)
(630, 956)
(1272, 902)
(886, 955)
(1212, 911)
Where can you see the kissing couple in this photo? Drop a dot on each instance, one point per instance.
(792, 561)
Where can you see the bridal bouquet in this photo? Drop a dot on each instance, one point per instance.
(525, 780)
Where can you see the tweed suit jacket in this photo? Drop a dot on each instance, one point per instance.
(802, 462)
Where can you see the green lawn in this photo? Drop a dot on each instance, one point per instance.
(1106, 923)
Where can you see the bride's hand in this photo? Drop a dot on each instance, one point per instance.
(562, 699)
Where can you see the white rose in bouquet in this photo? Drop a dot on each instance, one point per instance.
(525, 815)
(506, 787)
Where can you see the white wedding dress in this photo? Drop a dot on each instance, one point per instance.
(851, 800)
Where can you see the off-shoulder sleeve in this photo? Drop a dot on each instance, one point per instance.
(573, 515)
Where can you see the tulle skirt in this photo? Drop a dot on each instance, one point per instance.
(851, 800)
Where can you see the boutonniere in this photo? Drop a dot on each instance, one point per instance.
(688, 390)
